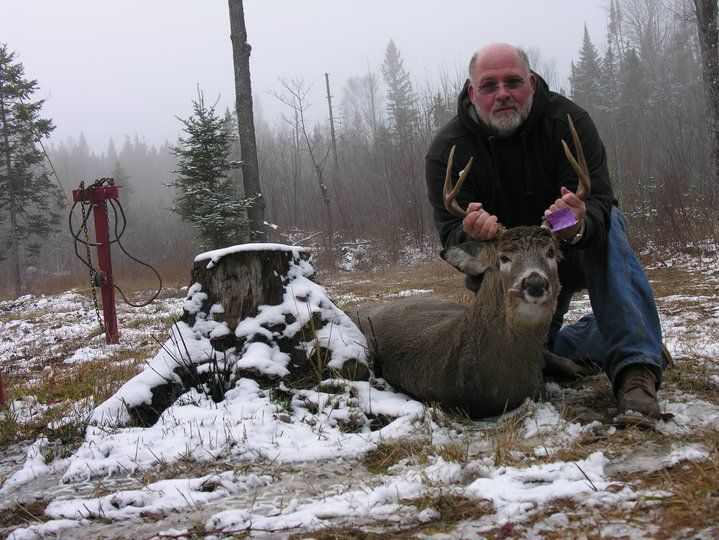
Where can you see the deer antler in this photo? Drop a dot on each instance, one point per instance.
(450, 194)
(585, 183)
(579, 165)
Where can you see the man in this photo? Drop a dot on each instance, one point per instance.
(513, 126)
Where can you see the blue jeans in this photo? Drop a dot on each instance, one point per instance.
(624, 328)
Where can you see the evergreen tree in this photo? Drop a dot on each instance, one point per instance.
(400, 94)
(585, 79)
(205, 191)
(122, 179)
(609, 82)
(634, 103)
(28, 200)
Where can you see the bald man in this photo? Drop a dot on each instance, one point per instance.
(513, 125)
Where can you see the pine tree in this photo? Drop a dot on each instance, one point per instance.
(122, 179)
(586, 78)
(205, 191)
(400, 94)
(27, 197)
(633, 105)
(610, 89)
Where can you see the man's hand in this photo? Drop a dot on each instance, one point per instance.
(480, 224)
(575, 204)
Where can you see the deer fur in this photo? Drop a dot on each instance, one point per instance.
(484, 358)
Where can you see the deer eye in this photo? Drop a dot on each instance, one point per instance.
(504, 259)
(550, 253)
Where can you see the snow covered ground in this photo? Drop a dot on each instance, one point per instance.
(345, 456)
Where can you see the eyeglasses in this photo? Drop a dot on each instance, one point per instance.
(490, 87)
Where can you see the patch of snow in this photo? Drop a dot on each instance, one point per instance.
(50, 529)
(514, 491)
(165, 495)
(691, 452)
(217, 254)
(689, 415)
(412, 292)
(33, 468)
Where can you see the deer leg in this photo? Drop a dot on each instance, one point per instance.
(564, 367)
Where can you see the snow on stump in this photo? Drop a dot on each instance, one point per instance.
(251, 311)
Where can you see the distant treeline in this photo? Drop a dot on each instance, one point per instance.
(642, 85)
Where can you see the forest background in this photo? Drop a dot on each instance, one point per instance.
(641, 82)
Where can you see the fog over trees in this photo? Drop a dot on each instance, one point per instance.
(642, 81)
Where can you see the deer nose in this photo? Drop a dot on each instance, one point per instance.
(536, 285)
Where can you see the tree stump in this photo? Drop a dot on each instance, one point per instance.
(241, 279)
(251, 311)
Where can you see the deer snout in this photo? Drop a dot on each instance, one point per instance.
(535, 285)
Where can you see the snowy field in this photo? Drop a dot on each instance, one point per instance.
(343, 459)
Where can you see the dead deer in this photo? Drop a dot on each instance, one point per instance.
(487, 357)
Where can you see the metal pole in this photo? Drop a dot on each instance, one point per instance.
(102, 237)
(98, 194)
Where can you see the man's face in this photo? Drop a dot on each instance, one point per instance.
(501, 90)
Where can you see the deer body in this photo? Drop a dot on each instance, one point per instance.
(485, 358)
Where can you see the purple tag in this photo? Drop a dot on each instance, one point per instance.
(561, 219)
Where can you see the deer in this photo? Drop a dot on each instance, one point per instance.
(485, 358)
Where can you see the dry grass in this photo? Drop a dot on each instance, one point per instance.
(58, 389)
(693, 377)
(174, 274)
(380, 285)
(23, 514)
(388, 454)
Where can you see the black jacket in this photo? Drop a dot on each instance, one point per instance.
(518, 177)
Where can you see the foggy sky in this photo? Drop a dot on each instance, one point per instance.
(111, 68)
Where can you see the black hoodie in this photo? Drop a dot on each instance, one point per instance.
(518, 177)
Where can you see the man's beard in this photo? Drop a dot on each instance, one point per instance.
(508, 122)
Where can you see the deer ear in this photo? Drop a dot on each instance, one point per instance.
(472, 258)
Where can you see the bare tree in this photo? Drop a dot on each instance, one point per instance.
(295, 96)
(546, 67)
(245, 120)
(333, 135)
(706, 13)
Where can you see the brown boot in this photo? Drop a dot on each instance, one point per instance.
(637, 391)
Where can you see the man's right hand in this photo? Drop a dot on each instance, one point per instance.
(479, 224)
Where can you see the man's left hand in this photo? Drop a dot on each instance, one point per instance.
(576, 205)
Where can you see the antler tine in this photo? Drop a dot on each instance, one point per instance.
(449, 194)
(585, 183)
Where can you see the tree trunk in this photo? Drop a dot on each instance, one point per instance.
(14, 240)
(245, 120)
(15, 246)
(706, 12)
(335, 157)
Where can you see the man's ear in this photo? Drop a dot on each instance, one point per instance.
(533, 81)
(471, 91)
(473, 257)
